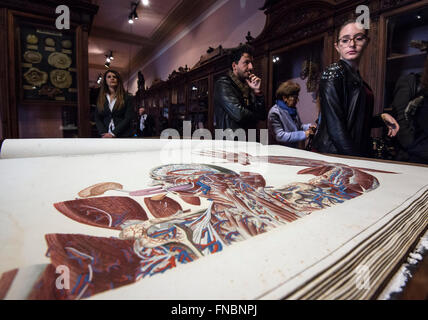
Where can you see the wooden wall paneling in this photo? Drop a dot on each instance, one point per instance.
(13, 112)
(83, 114)
(395, 4)
(382, 29)
(5, 125)
(211, 104)
(269, 81)
(373, 65)
(329, 49)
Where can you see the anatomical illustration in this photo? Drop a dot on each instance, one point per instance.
(190, 211)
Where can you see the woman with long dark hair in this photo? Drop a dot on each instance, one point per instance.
(347, 101)
(115, 111)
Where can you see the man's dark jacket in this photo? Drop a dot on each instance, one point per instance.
(406, 89)
(346, 112)
(418, 150)
(149, 126)
(122, 118)
(232, 111)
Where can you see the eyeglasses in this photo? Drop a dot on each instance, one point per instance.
(358, 39)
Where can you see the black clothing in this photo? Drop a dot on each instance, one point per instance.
(346, 112)
(122, 118)
(418, 150)
(406, 89)
(232, 110)
(149, 125)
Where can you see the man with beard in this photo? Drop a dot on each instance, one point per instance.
(238, 99)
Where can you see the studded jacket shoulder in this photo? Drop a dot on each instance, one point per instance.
(333, 71)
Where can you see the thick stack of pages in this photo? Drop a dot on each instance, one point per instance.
(181, 219)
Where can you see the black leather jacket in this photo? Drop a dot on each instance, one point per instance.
(346, 112)
(232, 111)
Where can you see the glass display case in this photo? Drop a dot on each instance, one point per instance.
(302, 65)
(402, 57)
(198, 104)
(178, 107)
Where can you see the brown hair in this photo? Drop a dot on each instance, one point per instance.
(120, 92)
(287, 88)
(349, 21)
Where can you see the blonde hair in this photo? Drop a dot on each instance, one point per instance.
(287, 88)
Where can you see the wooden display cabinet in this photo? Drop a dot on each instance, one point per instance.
(402, 26)
(308, 33)
(178, 106)
(198, 104)
(44, 97)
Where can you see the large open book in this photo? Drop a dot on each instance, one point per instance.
(177, 219)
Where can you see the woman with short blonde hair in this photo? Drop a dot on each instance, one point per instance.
(284, 124)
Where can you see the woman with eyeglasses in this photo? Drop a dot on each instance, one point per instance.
(347, 101)
(285, 127)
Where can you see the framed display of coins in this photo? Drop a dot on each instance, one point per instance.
(48, 63)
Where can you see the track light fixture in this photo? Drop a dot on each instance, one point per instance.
(109, 58)
(100, 78)
(133, 15)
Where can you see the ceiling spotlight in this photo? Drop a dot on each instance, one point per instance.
(109, 58)
(107, 64)
(133, 15)
(100, 77)
(145, 3)
(275, 59)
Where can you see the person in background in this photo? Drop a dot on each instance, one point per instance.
(145, 124)
(115, 109)
(409, 107)
(284, 125)
(347, 101)
(238, 98)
